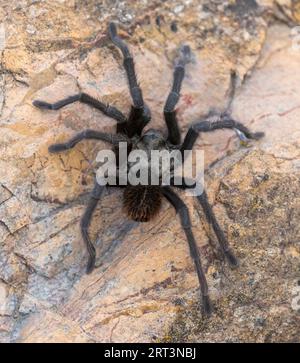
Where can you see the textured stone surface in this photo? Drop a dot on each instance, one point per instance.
(145, 287)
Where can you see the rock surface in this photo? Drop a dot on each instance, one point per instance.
(145, 288)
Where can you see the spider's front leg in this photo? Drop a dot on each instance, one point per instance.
(173, 97)
(140, 113)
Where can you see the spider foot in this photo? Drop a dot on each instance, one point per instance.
(232, 260)
(91, 265)
(43, 105)
(56, 148)
(112, 29)
(207, 305)
(185, 55)
(246, 140)
(243, 138)
(258, 135)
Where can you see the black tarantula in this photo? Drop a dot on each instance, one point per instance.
(143, 202)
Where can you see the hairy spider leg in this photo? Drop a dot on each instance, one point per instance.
(212, 220)
(173, 97)
(140, 113)
(224, 122)
(113, 139)
(204, 126)
(85, 222)
(106, 109)
(185, 220)
(85, 135)
(231, 91)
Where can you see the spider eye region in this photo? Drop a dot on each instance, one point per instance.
(153, 139)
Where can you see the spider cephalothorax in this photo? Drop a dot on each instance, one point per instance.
(142, 202)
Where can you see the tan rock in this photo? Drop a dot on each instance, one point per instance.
(59, 329)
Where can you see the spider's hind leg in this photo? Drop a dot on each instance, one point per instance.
(85, 222)
(212, 220)
(186, 224)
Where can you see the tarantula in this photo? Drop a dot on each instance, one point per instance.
(143, 202)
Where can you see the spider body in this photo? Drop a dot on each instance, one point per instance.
(143, 202)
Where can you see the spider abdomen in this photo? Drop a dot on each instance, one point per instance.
(142, 202)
